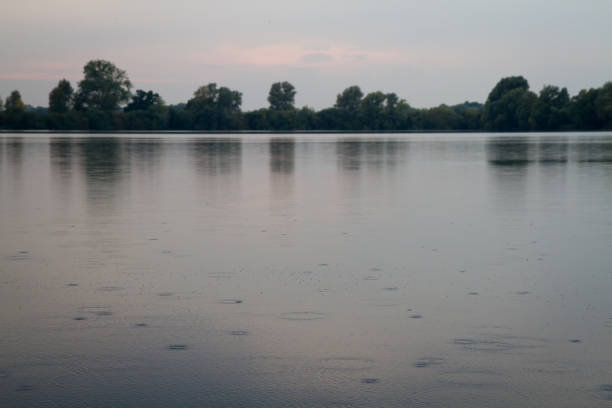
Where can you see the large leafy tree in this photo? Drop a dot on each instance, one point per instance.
(372, 110)
(582, 110)
(211, 97)
(345, 113)
(349, 99)
(380, 111)
(14, 104)
(550, 110)
(60, 98)
(215, 108)
(506, 85)
(509, 105)
(104, 87)
(396, 112)
(282, 96)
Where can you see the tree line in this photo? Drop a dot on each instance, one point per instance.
(103, 100)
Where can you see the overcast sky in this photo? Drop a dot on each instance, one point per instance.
(428, 52)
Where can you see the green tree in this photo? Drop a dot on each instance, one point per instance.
(582, 111)
(257, 119)
(282, 119)
(603, 105)
(380, 111)
(330, 119)
(60, 98)
(349, 99)
(104, 87)
(220, 99)
(179, 117)
(470, 115)
(396, 113)
(282, 96)
(506, 85)
(215, 108)
(307, 118)
(372, 110)
(439, 118)
(550, 110)
(14, 104)
(210, 96)
(346, 110)
(144, 101)
(509, 105)
(147, 110)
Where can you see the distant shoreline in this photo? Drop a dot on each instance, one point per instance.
(284, 132)
(104, 102)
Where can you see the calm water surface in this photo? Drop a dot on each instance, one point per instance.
(307, 271)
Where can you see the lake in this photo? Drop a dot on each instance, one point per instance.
(370, 270)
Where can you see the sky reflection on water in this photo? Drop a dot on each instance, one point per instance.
(308, 270)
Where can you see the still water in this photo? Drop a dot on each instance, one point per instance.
(306, 271)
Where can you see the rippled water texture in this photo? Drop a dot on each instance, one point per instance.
(308, 271)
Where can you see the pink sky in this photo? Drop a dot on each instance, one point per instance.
(428, 53)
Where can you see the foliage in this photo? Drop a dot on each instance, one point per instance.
(60, 98)
(439, 118)
(349, 99)
(506, 85)
(104, 87)
(603, 106)
(146, 111)
(14, 104)
(470, 113)
(582, 112)
(144, 100)
(215, 108)
(550, 110)
(510, 106)
(282, 96)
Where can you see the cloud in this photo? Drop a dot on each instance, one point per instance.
(191, 60)
(316, 57)
(351, 58)
(296, 55)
